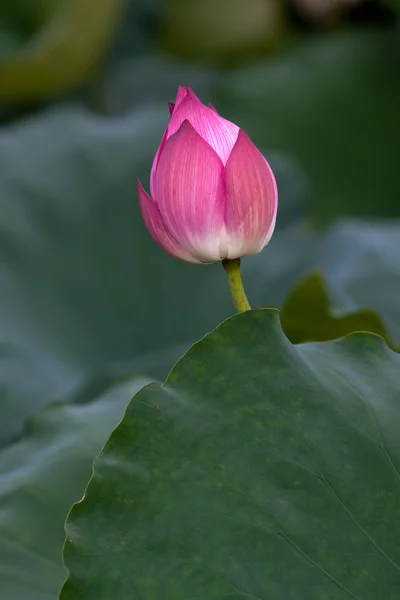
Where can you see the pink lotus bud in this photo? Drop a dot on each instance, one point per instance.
(214, 195)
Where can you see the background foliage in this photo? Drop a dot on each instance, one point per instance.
(89, 306)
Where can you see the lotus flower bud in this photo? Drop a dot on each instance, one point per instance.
(213, 194)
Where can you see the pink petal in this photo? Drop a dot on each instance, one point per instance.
(157, 228)
(251, 200)
(189, 192)
(155, 161)
(212, 107)
(181, 94)
(219, 133)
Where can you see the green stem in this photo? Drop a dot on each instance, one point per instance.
(232, 268)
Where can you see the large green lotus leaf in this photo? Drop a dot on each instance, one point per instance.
(41, 475)
(307, 316)
(332, 103)
(259, 470)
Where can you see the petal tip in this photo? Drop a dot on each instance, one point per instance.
(180, 95)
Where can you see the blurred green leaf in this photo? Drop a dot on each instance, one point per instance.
(148, 78)
(138, 29)
(259, 470)
(61, 54)
(41, 475)
(395, 4)
(223, 29)
(19, 20)
(359, 261)
(306, 315)
(331, 103)
(23, 16)
(9, 42)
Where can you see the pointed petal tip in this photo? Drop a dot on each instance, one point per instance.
(143, 195)
(187, 130)
(180, 95)
(186, 126)
(218, 132)
(171, 107)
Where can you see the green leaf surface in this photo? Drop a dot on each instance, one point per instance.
(259, 470)
(41, 475)
(306, 315)
(331, 103)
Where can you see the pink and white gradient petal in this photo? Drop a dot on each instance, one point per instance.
(157, 228)
(251, 200)
(218, 132)
(189, 192)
